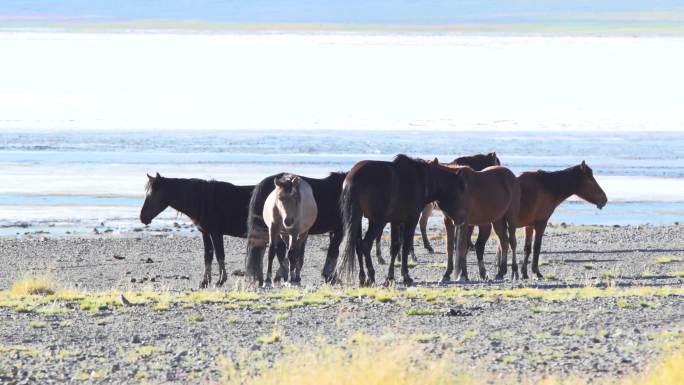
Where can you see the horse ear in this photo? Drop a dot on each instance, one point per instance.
(158, 176)
(150, 177)
(492, 154)
(435, 161)
(583, 165)
(276, 182)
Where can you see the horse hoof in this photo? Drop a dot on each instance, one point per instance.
(514, 275)
(267, 284)
(370, 282)
(463, 279)
(445, 280)
(203, 284)
(408, 281)
(525, 276)
(539, 275)
(388, 282)
(430, 250)
(484, 277)
(499, 277)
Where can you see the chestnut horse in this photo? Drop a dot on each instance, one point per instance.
(542, 192)
(394, 192)
(493, 199)
(476, 162)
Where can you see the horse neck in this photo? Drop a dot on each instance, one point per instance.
(436, 182)
(180, 198)
(565, 184)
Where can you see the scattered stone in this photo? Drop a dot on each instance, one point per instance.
(117, 256)
(238, 273)
(135, 339)
(149, 260)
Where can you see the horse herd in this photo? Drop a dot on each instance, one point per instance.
(279, 213)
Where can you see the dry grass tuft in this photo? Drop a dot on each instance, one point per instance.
(34, 285)
(375, 361)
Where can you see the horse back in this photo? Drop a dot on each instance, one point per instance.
(386, 190)
(231, 205)
(494, 192)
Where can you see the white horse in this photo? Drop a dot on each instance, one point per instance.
(289, 212)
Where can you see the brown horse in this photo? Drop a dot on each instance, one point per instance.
(394, 192)
(476, 162)
(542, 192)
(493, 199)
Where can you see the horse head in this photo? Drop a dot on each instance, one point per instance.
(588, 188)
(155, 201)
(287, 198)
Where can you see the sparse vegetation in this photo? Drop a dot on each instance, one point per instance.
(272, 338)
(422, 312)
(34, 285)
(195, 318)
(667, 259)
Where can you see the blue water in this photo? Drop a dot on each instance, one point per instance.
(401, 12)
(71, 180)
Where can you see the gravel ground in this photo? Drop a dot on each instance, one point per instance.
(529, 337)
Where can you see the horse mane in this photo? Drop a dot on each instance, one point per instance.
(561, 183)
(478, 162)
(197, 197)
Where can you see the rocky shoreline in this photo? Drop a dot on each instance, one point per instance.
(611, 301)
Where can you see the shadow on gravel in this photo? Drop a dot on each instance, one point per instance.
(614, 251)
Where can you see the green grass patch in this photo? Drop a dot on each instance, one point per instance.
(422, 312)
(667, 259)
(195, 318)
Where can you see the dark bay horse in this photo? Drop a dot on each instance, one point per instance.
(326, 192)
(542, 192)
(216, 208)
(394, 192)
(476, 162)
(493, 200)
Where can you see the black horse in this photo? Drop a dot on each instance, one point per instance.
(327, 194)
(394, 192)
(216, 208)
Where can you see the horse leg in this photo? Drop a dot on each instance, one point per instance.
(275, 243)
(449, 228)
(208, 258)
(217, 241)
(502, 234)
(292, 258)
(482, 237)
(539, 229)
(424, 216)
(513, 243)
(528, 249)
(462, 252)
(395, 245)
(409, 228)
(281, 253)
(469, 237)
(359, 255)
(378, 250)
(300, 256)
(374, 229)
(333, 253)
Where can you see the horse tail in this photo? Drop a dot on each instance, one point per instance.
(351, 219)
(257, 231)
